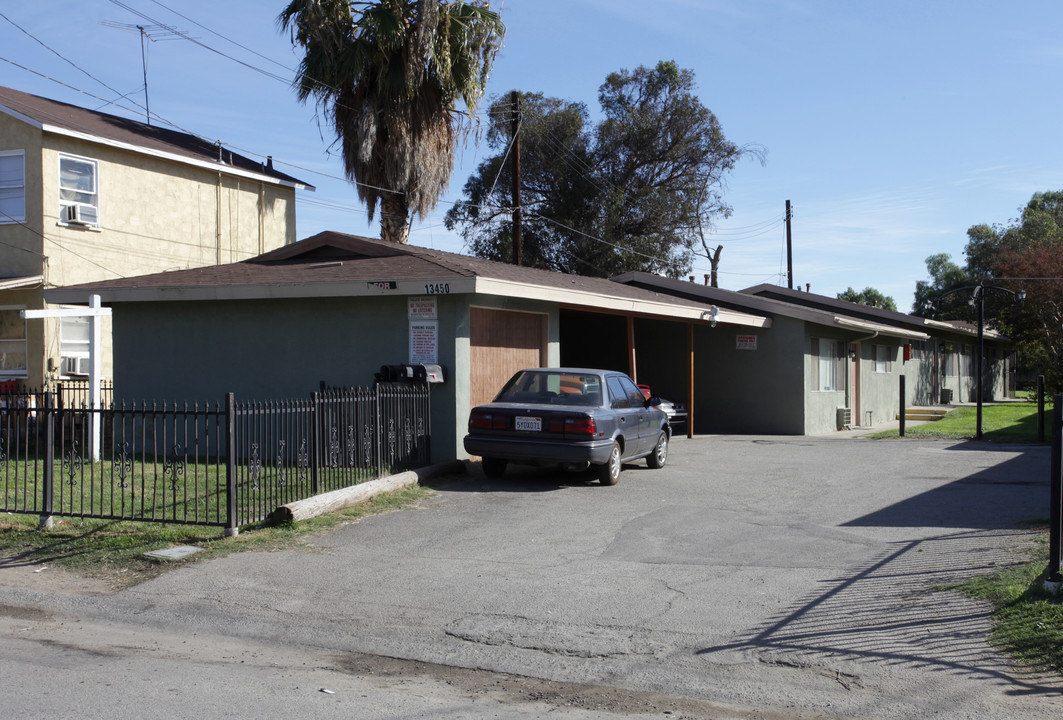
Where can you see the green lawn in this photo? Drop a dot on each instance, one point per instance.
(1011, 422)
(114, 550)
(177, 492)
(1027, 621)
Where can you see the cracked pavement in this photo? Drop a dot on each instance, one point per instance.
(752, 577)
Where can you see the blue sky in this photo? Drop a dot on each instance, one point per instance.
(892, 127)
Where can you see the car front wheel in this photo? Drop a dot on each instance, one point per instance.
(609, 473)
(659, 456)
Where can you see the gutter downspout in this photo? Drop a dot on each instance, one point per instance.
(217, 222)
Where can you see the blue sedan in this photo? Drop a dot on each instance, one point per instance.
(569, 416)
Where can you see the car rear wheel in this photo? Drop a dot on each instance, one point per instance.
(659, 456)
(609, 473)
(494, 467)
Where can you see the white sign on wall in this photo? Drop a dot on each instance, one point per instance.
(424, 330)
(424, 342)
(422, 308)
(746, 342)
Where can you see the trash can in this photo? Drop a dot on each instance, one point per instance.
(946, 396)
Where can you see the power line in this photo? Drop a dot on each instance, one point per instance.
(64, 59)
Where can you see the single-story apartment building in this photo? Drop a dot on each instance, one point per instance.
(825, 364)
(334, 308)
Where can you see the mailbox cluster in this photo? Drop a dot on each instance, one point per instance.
(410, 373)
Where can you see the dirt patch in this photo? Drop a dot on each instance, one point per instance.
(23, 574)
(521, 689)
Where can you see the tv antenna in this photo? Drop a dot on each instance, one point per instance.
(147, 32)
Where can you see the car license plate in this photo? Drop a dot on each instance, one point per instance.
(532, 424)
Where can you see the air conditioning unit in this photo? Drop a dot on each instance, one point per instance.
(845, 418)
(75, 365)
(80, 214)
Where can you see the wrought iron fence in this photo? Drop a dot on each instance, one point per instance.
(223, 465)
(65, 393)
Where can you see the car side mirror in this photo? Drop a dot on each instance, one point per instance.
(653, 401)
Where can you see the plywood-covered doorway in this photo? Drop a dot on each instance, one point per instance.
(500, 343)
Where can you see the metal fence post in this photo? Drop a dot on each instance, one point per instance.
(315, 434)
(901, 415)
(1055, 540)
(48, 499)
(232, 528)
(381, 433)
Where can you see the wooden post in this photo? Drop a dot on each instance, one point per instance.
(901, 416)
(1055, 539)
(518, 240)
(632, 369)
(690, 380)
(789, 251)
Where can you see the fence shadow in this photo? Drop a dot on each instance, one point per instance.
(894, 612)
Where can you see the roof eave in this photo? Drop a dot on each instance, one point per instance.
(176, 157)
(616, 303)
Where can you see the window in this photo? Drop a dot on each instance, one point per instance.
(618, 397)
(12, 342)
(79, 201)
(883, 358)
(828, 366)
(635, 398)
(12, 186)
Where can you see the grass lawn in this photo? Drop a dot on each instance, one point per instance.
(114, 550)
(1027, 621)
(1011, 422)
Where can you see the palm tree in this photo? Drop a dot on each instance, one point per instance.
(388, 75)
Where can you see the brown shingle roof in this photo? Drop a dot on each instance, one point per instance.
(337, 258)
(112, 128)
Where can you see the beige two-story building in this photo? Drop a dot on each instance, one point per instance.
(86, 196)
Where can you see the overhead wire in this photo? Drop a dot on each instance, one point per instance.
(562, 151)
(55, 242)
(66, 60)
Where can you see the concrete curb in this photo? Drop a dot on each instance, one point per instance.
(345, 497)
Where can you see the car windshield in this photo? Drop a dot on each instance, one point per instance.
(545, 387)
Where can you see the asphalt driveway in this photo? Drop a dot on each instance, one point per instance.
(794, 576)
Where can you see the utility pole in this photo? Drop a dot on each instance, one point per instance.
(518, 243)
(789, 250)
